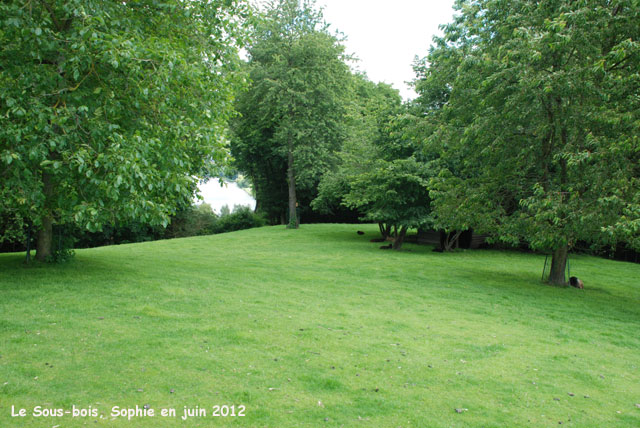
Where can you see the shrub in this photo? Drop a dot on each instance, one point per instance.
(193, 221)
(242, 217)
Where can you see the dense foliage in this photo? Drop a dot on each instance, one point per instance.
(380, 173)
(291, 118)
(535, 112)
(526, 127)
(110, 111)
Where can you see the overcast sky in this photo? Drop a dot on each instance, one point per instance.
(386, 35)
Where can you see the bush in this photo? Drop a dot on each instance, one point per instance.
(242, 217)
(123, 233)
(201, 220)
(195, 220)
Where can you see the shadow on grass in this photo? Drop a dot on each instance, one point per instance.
(17, 274)
(529, 291)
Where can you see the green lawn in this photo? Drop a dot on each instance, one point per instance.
(318, 327)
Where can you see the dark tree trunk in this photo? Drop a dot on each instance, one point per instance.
(451, 239)
(28, 243)
(382, 230)
(558, 266)
(291, 181)
(397, 243)
(44, 236)
(44, 239)
(255, 195)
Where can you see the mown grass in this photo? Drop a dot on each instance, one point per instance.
(318, 327)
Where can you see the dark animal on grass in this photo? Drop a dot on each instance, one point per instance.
(360, 232)
(386, 247)
(575, 282)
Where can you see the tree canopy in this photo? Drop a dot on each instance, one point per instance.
(535, 114)
(111, 110)
(381, 173)
(291, 118)
(526, 127)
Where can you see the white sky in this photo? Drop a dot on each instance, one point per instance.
(228, 194)
(386, 35)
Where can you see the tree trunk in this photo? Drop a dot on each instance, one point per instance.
(44, 239)
(451, 239)
(397, 243)
(291, 181)
(387, 231)
(558, 266)
(28, 243)
(382, 230)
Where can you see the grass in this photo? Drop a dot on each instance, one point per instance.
(318, 327)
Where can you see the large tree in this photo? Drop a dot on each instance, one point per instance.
(367, 118)
(111, 110)
(291, 119)
(535, 110)
(382, 174)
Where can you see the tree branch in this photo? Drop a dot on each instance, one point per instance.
(622, 61)
(60, 26)
(53, 16)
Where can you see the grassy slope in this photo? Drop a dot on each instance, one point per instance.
(301, 326)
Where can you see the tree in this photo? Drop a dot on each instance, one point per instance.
(111, 111)
(381, 173)
(368, 114)
(534, 108)
(395, 194)
(291, 119)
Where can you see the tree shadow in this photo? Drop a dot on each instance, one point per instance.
(18, 275)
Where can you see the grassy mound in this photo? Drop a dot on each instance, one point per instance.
(318, 327)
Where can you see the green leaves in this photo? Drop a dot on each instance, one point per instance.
(533, 108)
(296, 102)
(379, 175)
(395, 192)
(122, 104)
